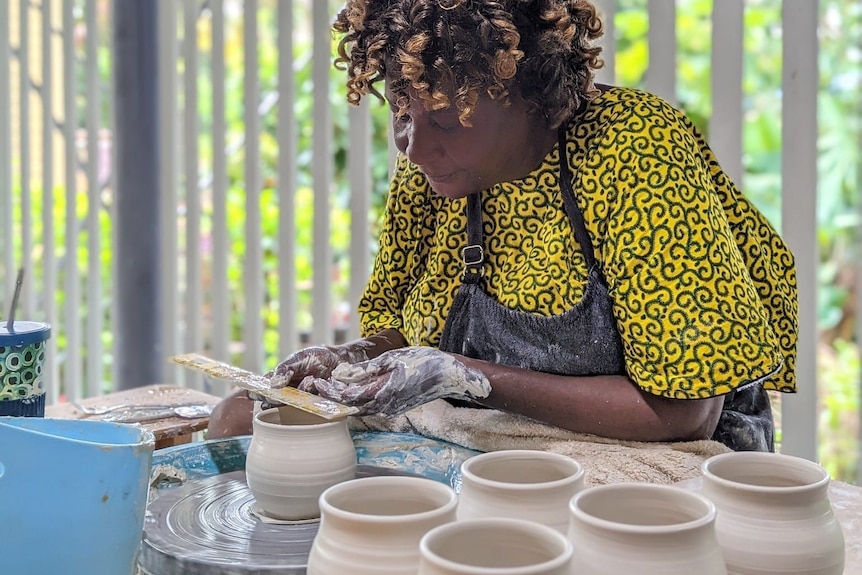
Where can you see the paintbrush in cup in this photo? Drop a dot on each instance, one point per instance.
(10, 319)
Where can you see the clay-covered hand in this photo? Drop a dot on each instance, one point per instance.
(399, 380)
(316, 361)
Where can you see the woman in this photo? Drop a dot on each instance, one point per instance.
(566, 251)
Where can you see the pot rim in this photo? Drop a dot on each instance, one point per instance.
(382, 483)
(709, 472)
(612, 490)
(467, 472)
(469, 525)
(259, 420)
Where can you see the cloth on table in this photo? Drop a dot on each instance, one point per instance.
(605, 460)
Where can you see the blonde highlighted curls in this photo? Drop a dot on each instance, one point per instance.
(454, 51)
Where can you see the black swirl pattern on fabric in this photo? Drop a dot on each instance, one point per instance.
(704, 289)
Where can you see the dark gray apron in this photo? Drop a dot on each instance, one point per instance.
(582, 341)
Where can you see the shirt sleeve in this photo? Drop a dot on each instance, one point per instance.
(400, 251)
(690, 318)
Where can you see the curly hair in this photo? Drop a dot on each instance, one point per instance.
(460, 49)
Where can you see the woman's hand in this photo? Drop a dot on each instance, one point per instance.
(316, 361)
(399, 380)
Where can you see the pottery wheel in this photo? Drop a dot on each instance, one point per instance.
(208, 527)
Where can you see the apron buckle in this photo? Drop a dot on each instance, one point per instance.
(473, 256)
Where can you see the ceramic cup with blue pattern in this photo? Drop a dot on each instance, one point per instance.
(22, 363)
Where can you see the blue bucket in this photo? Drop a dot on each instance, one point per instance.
(73, 494)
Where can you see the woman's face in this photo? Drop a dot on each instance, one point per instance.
(459, 160)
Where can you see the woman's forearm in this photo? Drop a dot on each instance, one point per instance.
(609, 405)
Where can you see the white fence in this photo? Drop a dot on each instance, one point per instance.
(56, 168)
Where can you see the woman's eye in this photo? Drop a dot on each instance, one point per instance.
(445, 122)
(446, 126)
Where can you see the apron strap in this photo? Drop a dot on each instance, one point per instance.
(473, 254)
(571, 205)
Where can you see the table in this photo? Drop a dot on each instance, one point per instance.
(167, 431)
(846, 502)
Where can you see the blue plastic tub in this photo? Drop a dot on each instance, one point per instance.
(73, 494)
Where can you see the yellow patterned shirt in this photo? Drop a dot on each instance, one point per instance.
(703, 288)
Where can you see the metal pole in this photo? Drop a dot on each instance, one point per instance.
(136, 88)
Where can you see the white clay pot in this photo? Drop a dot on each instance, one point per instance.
(293, 457)
(520, 484)
(643, 528)
(774, 514)
(373, 525)
(495, 546)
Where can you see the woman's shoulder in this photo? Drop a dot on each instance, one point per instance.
(617, 106)
(625, 98)
(620, 110)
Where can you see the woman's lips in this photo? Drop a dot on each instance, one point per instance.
(441, 179)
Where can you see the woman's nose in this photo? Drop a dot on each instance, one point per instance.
(421, 144)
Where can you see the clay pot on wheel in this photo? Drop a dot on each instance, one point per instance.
(774, 514)
(295, 456)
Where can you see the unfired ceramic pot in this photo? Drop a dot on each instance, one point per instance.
(520, 484)
(495, 546)
(774, 514)
(293, 457)
(373, 525)
(643, 528)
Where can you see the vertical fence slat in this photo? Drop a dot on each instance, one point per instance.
(859, 277)
(859, 282)
(799, 211)
(725, 126)
(661, 74)
(73, 370)
(95, 357)
(220, 305)
(288, 334)
(27, 305)
(321, 174)
(6, 235)
(253, 332)
(49, 261)
(608, 10)
(359, 176)
(194, 298)
(112, 210)
(168, 150)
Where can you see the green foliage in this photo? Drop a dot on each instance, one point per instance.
(839, 420)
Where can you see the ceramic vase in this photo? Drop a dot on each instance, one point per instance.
(774, 514)
(520, 484)
(495, 546)
(293, 457)
(373, 525)
(642, 528)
